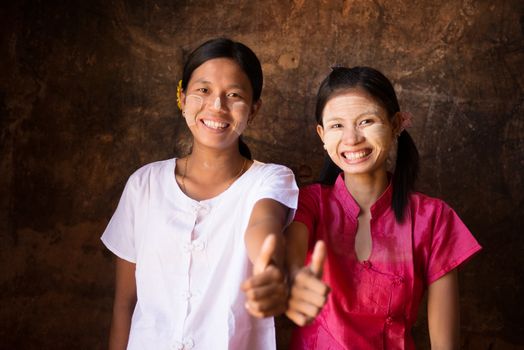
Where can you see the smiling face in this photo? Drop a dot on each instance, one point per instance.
(217, 103)
(356, 132)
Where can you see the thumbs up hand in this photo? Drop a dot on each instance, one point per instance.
(266, 291)
(308, 292)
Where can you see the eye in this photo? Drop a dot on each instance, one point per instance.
(203, 90)
(336, 126)
(234, 95)
(365, 122)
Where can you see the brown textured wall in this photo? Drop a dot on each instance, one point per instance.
(87, 96)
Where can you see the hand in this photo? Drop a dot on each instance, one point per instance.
(308, 292)
(266, 291)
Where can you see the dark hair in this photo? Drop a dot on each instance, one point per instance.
(241, 54)
(374, 83)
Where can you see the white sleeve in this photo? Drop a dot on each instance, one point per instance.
(279, 184)
(119, 235)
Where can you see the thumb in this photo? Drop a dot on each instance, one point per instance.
(266, 253)
(318, 258)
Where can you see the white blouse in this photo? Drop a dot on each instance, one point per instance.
(191, 258)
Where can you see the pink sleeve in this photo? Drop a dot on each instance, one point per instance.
(308, 209)
(451, 245)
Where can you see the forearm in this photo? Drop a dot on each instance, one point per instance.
(296, 236)
(443, 313)
(257, 233)
(120, 326)
(268, 217)
(124, 304)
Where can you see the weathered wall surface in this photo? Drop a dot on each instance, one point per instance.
(87, 95)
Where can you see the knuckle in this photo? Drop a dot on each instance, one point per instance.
(301, 276)
(316, 311)
(275, 273)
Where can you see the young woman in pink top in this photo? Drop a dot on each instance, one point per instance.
(382, 245)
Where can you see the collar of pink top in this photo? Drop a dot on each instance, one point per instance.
(345, 198)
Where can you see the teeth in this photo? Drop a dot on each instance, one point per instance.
(214, 124)
(355, 155)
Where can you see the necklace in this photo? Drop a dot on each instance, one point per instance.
(233, 180)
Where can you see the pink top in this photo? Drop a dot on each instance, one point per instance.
(373, 304)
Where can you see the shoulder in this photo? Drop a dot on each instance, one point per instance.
(314, 195)
(269, 174)
(151, 171)
(422, 202)
(316, 190)
(433, 212)
(270, 168)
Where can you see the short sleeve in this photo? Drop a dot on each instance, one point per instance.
(452, 244)
(119, 235)
(308, 210)
(279, 184)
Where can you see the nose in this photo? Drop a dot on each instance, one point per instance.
(217, 103)
(351, 136)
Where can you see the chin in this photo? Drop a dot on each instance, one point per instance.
(359, 169)
(216, 144)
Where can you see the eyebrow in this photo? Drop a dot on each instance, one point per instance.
(202, 80)
(374, 112)
(238, 86)
(333, 119)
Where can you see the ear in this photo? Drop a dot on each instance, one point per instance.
(396, 124)
(254, 110)
(182, 100)
(320, 132)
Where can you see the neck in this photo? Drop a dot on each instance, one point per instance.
(366, 188)
(212, 162)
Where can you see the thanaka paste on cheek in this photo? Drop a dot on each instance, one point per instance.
(193, 106)
(240, 114)
(332, 138)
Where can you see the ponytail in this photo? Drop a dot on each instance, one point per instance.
(244, 149)
(329, 172)
(405, 175)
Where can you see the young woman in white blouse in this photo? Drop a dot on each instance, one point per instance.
(198, 239)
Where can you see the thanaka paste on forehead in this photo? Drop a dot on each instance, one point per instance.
(240, 114)
(193, 106)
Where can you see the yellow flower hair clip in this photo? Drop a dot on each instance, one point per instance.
(178, 93)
